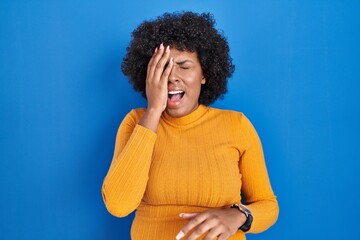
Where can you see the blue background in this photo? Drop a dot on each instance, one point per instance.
(63, 96)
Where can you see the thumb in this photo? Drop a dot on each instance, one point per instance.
(188, 215)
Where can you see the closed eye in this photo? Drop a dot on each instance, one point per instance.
(184, 64)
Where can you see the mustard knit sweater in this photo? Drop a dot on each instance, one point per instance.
(203, 160)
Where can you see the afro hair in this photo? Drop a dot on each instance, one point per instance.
(185, 31)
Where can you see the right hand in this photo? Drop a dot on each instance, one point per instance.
(157, 79)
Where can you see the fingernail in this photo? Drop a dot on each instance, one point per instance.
(155, 50)
(171, 61)
(161, 46)
(180, 235)
(181, 214)
(167, 49)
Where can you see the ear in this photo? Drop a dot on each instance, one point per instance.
(203, 80)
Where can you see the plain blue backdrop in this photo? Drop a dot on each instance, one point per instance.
(62, 97)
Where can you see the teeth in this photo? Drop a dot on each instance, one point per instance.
(175, 92)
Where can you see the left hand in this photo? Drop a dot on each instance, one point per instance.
(218, 222)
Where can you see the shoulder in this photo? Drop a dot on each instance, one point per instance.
(137, 113)
(227, 113)
(134, 116)
(232, 117)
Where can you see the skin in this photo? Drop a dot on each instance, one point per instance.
(171, 69)
(218, 222)
(185, 75)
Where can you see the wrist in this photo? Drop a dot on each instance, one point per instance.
(151, 119)
(154, 112)
(246, 224)
(240, 218)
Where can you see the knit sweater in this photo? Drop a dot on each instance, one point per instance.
(206, 159)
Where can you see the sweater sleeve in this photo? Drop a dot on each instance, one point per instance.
(126, 180)
(256, 188)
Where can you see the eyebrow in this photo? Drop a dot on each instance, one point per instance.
(182, 62)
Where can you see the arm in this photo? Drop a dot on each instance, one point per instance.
(256, 187)
(126, 180)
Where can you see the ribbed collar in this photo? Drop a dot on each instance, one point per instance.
(187, 119)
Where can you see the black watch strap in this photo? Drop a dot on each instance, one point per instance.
(249, 218)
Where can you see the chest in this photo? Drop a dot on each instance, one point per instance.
(194, 168)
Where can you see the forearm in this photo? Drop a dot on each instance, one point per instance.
(151, 119)
(256, 187)
(265, 213)
(125, 183)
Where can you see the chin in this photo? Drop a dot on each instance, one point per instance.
(180, 111)
(175, 112)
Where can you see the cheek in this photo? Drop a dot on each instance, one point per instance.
(192, 81)
(194, 89)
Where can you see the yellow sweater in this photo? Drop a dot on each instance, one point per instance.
(200, 161)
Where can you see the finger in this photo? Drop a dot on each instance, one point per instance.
(159, 69)
(204, 227)
(197, 220)
(151, 61)
(159, 54)
(187, 216)
(224, 236)
(166, 73)
(190, 225)
(216, 231)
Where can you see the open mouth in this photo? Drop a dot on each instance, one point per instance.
(175, 96)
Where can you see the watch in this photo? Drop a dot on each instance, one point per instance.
(249, 218)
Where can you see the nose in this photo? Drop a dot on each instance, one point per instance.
(173, 77)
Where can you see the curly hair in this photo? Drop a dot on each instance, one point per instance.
(185, 31)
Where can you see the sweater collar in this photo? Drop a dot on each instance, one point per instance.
(187, 119)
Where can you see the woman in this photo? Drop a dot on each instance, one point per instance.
(180, 163)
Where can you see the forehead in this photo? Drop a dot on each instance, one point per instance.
(180, 56)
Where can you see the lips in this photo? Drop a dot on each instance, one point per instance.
(175, 95)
